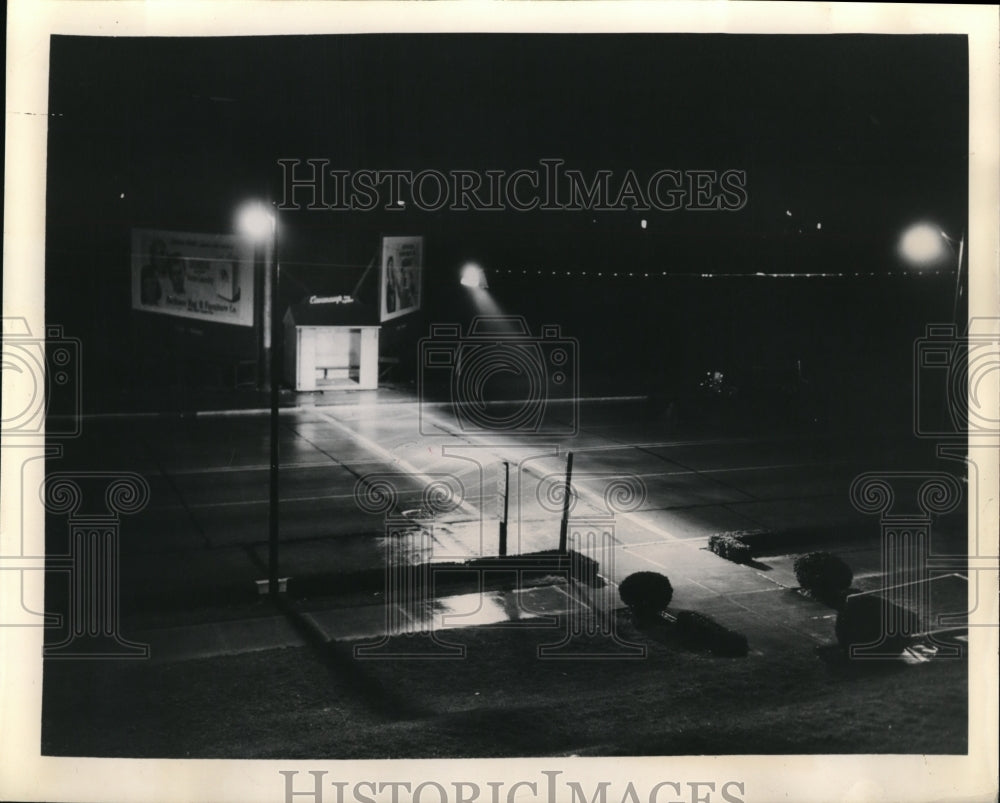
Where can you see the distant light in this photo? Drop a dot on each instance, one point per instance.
(643, 223)
(255, 221)
(922, 244)
(400, 203)
(122, 195)
(819, 226)
(788, 213)
(473, 276)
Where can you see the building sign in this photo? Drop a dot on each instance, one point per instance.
(400, 276)
(204, 276)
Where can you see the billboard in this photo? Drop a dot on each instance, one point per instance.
(204, 276)
(400, 276)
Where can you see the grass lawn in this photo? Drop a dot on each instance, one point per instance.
(502, 701)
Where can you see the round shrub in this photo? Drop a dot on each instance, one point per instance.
(824, 574)
(646, 593)
(867, 620)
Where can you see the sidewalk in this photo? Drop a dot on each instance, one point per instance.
(364, 624)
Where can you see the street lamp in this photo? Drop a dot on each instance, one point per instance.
(256, 221)
(260, 224)
(473, 276)
(924, 244)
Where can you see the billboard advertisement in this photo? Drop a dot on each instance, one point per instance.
(400, 276)
(208, 277)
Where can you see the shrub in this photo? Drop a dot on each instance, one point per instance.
(865, 619)
(756, 540)
(730, 547)
(699, 630)
(646, 593)
(824, 574)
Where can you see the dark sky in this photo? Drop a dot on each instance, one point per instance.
(862, 133)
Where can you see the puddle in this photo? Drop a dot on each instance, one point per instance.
(491, 607)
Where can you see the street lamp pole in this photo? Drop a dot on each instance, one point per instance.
(274, 498)
(958, 277)
(261, 224)
(922, 245)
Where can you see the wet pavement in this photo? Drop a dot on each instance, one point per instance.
(375, 478)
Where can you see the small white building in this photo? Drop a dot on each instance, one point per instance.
(331, 344)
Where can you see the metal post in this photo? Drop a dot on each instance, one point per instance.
(506, 498)
(568, 490)
(262, 285)
(273, 512)
(958, 281)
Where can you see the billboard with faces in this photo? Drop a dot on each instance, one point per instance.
(208, 277)
(400, 276)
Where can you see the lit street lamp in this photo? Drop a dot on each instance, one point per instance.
(924, 244)
(473, 276)
(260, 224)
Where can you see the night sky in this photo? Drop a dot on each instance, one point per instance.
(863, 134)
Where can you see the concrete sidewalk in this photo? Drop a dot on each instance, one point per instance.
(363, 624)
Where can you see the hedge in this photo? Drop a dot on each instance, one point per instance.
(646, 593)
(790, 540)
(730, 547)
(699, 630)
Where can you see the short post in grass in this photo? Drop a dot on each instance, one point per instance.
(567, 491)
